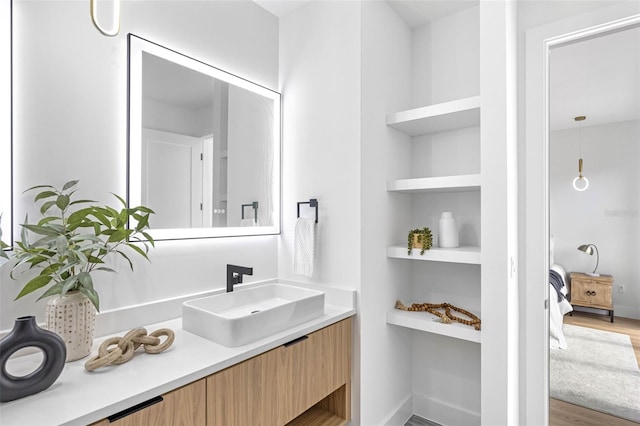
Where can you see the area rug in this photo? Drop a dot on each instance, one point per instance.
(598, 370)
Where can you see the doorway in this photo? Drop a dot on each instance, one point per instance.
(540, 41)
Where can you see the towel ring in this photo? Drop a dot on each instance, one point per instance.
(313, 203)
(254, 205)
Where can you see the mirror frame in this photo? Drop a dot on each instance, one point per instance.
(6, 123)
(136, 47)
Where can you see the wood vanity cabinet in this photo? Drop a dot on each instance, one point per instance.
(306, 381)
(184, 406)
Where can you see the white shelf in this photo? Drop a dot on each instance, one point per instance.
(460, 183)
(465, 254)
(429, 323)
(436, 118)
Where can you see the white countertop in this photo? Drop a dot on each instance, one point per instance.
(80, 397)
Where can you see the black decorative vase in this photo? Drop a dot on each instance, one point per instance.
(26, 333)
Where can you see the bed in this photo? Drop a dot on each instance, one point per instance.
(559, 306)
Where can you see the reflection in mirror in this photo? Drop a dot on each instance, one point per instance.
(203, 144)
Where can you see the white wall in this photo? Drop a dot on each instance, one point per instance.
(455, 56)
(606, 214)
(386, 87)
(172, 118)
(70, 119)
(320, 85)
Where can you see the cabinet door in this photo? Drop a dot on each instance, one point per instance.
(244, 394)
(312, 368)
(183, 406)
(579, 289)
(600, 295)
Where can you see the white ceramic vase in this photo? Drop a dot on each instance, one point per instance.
(447, 231)
(73, 317)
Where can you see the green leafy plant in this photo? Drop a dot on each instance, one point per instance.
(75, 239)
(421, 236)
(3, 245)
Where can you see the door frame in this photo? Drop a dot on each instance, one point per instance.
(535, 262)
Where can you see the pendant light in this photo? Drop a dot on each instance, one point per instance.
(115, 25)
(580, 183)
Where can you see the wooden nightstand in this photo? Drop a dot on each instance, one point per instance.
(592, 292)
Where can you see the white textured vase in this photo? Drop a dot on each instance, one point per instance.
(447, 231)
(73, 317)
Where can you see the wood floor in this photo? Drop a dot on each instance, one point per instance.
(564, 414)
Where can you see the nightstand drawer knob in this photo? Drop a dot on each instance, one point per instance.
(591, 293)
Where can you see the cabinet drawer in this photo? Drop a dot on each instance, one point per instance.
(313, 367)
(183, 406)
(245, 394)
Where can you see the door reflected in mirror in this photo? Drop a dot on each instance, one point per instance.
(203, 145)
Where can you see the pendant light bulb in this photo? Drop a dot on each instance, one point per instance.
(580, 183)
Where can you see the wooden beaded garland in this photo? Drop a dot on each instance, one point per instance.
(445, 317)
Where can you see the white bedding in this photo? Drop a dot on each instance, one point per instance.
(557, 311)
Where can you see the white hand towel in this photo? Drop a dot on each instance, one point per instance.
(304, 246)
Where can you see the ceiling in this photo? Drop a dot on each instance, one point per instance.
(167, 82)
(418, 12)
(414, 12)
(281, 8)
(598, 78)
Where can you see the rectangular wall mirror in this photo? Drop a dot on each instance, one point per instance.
(6, 136)
(204, 147)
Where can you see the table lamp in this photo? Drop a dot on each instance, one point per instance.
(589, 249)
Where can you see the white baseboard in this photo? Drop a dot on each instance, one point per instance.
(442, 413)
(632, 312)
(622, 311)
(401, 414)
(433, 410)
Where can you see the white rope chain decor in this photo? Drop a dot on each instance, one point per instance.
(126, 346)
(445, 317)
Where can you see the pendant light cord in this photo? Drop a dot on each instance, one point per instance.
(580, 177)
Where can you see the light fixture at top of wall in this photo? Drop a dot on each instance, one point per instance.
(115, 25)
(580, 183)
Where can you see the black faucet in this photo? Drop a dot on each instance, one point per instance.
(234, 275)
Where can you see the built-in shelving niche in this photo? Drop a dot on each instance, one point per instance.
(447, 116)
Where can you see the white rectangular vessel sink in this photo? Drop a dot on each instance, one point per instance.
(244, 316)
